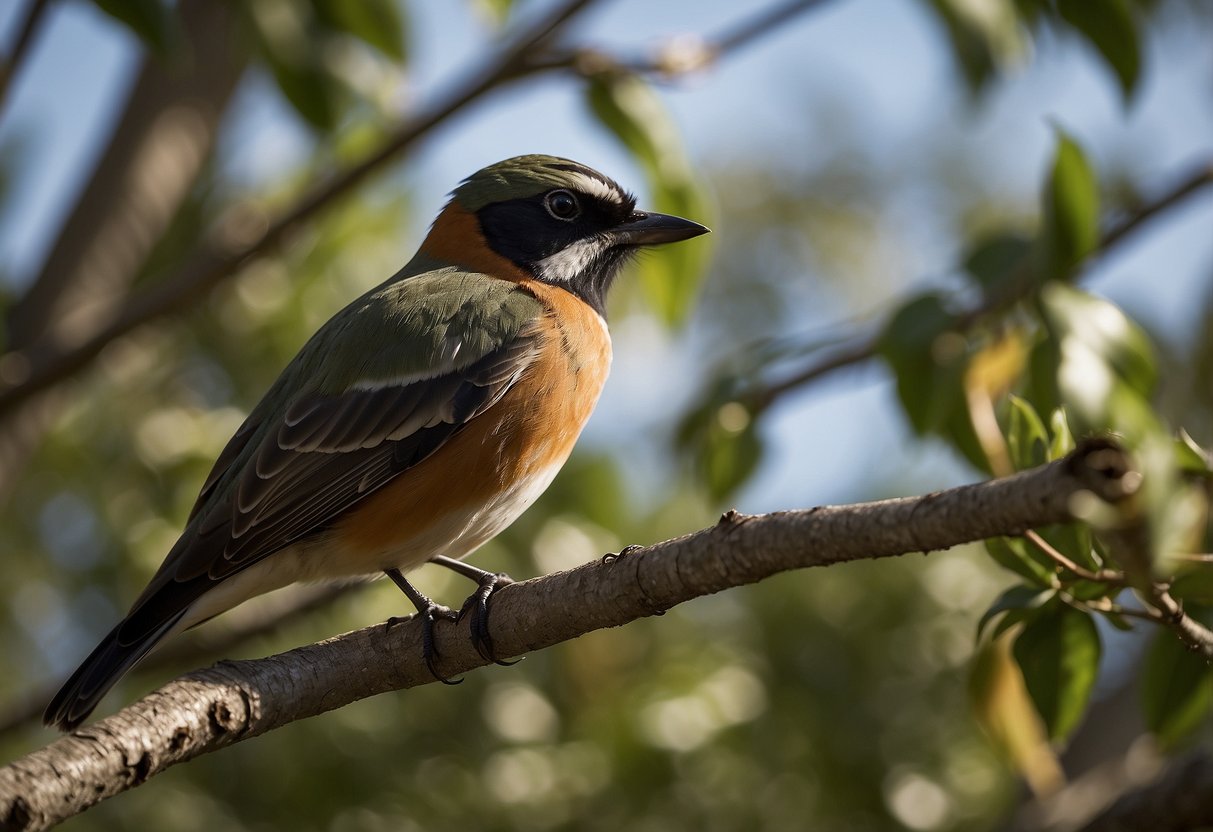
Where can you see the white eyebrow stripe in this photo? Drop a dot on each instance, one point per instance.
(597, 188)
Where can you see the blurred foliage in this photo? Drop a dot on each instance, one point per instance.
(835, 699)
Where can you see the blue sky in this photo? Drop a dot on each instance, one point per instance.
(883, 54)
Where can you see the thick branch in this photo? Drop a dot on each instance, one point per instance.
(232, 701)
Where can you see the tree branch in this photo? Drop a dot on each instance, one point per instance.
(1018, 286)
(233, 701)
(218, 257)
(25, 38)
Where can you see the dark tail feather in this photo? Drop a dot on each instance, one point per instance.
(98, 673)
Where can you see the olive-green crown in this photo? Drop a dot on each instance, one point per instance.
(524, 176)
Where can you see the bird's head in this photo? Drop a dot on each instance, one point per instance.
(554, 219)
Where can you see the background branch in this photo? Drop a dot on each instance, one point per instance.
(20, 49)
(1017, 287)
(218, 257)
(209, 709)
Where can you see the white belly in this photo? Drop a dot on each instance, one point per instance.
(456, 535)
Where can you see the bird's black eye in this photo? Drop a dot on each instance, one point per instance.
(562, 205)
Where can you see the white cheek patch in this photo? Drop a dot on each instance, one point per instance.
(571, 261)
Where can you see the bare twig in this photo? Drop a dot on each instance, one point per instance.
(25, 38)
(1104, 576)
(233, 701)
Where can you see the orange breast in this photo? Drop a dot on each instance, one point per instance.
(532, 428)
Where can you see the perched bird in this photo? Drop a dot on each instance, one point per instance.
(417, 423)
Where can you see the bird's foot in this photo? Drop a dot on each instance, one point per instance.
(611, 557)
(476, 607)
(429, 612)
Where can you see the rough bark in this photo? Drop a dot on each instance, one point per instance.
(233, 701)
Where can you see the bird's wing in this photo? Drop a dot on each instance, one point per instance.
(299, 463)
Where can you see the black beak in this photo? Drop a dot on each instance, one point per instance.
(648, 229)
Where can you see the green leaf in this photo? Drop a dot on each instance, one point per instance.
(1058, 652)
(1191, 457)
(152, 21)
(928, 357)
(1177, 690)
(287, 39)
(1109, 26)
(1027, 440)
(1015, 598)
(996, 259)
(627, 106)
(1195, 585)
(1071, 208)
(1017, 555)
(1105, 369)
(498, 10)
(1063, 440)
(378, 23)
(982, 42)
(729, 449)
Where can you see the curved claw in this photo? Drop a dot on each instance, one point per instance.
(476, 607)
(612, 557)
(429, 612)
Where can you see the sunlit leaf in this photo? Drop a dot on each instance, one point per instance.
(1019, 556)
(1062, 441)
(497, 10)
(1191, 457)
(1071, 207)
(1177, 690)
(1027, 439)
(627, 106)
(1106, 363)
(1111, 29)
(984, 39)
(1058, 652)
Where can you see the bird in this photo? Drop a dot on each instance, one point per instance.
(417, 423)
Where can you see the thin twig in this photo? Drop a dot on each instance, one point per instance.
(20, 51)
(1018, 286)
(1112, 577)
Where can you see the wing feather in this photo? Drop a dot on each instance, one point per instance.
(329, 452)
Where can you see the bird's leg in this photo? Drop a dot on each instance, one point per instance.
(476, 607)
(429, 612)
